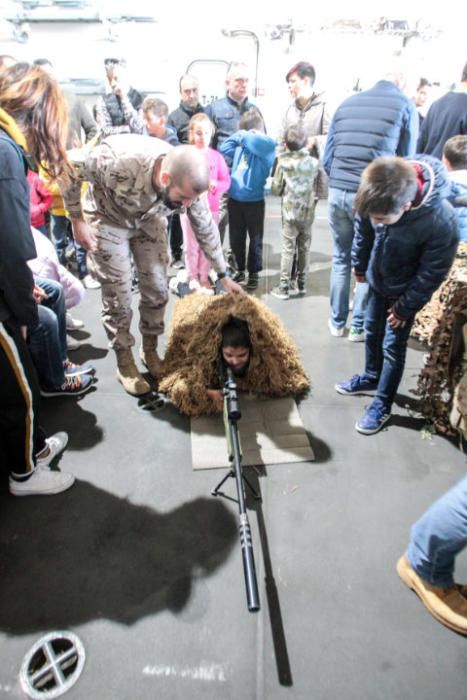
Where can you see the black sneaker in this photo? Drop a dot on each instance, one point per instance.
(239, 277)
(253, 280)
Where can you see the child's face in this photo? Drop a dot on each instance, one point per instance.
(201, 135)
(155, 125)
(236, 358)
(388, 219)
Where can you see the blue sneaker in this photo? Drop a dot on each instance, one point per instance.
(356, 385)
(375, 416)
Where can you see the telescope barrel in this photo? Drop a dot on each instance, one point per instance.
(252, 596)
(248, 559)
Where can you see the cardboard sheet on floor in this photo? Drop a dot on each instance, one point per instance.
(271, 432)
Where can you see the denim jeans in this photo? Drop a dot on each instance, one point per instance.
(63, 234)
(341, 223)
(47, 339)
(385, 347)
(439, 535)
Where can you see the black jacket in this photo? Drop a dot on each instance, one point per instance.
(16, 241)
(180, 117)
(408, 260)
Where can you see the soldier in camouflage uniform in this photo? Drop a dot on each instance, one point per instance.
(294, 177)
(134, 182)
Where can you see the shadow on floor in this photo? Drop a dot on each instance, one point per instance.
(87, 554)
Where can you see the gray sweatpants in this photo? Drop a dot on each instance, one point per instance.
(111, 264)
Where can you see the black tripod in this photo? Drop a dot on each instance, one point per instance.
(232, 414)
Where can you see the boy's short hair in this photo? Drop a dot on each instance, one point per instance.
(252, 119)
(455, 152)
(235, 333)
(386, 186)
(156, 106)
(295, 137)
(304, 70)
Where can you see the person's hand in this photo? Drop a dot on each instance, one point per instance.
(24, 331)
(212, 186)
(311, 143)
(217, 397)
(84, 234)
(228, 285)
(359, 276)
(393, 320)
(38, 294)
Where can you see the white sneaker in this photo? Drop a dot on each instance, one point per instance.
(335, 331)
(42, 482)
(56, 444)
(73, 323)
(90, 283)
(72, 343)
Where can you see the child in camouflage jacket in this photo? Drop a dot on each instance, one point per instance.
(295, 174)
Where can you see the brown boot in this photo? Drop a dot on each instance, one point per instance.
(447, 605)
(150, 358)
(129, 376)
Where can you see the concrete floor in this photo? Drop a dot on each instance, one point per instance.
(144, 565)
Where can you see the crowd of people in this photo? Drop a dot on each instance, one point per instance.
(133, 182)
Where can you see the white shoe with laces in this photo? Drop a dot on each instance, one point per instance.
(90, 283)
(56, 444)
(73, 324)
(42, 482)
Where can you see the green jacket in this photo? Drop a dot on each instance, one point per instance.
(294, 177)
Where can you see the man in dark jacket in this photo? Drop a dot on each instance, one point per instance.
(406, 236)
(225, 114)
(189, 105)
(446, 117)
(178, 120)
(378, 122)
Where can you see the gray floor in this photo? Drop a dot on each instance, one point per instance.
(144, 565)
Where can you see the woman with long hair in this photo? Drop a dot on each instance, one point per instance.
(33, 121)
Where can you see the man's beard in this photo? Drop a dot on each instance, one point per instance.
(169, 203)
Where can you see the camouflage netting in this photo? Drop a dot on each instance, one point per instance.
(192, 352)
(426, 321)
(444, 368)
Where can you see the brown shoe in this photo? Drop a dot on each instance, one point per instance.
(128, 374)
(150, 358)
(447, 605)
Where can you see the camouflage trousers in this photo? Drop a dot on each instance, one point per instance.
(111, 265)
(296, 242)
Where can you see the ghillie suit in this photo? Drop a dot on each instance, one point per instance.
(442, 382)
(191, 364)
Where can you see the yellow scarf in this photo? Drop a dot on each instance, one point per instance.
(9, 125)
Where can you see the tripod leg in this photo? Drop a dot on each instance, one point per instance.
(215, 491)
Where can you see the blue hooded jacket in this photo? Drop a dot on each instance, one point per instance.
(458, 199)
(253, 154)
(407, 261)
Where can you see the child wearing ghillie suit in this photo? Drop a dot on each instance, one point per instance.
(191, 365)
(295, 174)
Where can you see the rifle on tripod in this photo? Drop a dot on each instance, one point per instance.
(232, 414)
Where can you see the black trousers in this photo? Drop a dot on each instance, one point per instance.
(175, 236)
(247, 218)
(21, 437)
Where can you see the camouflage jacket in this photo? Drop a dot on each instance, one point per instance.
(294, 177)
(120, 191)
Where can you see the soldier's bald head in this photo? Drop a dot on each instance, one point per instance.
(187, 164)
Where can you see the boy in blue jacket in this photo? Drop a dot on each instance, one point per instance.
(252, 153)
(455, 160)
(406, 235)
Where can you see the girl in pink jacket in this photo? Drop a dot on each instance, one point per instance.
(200, 133)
